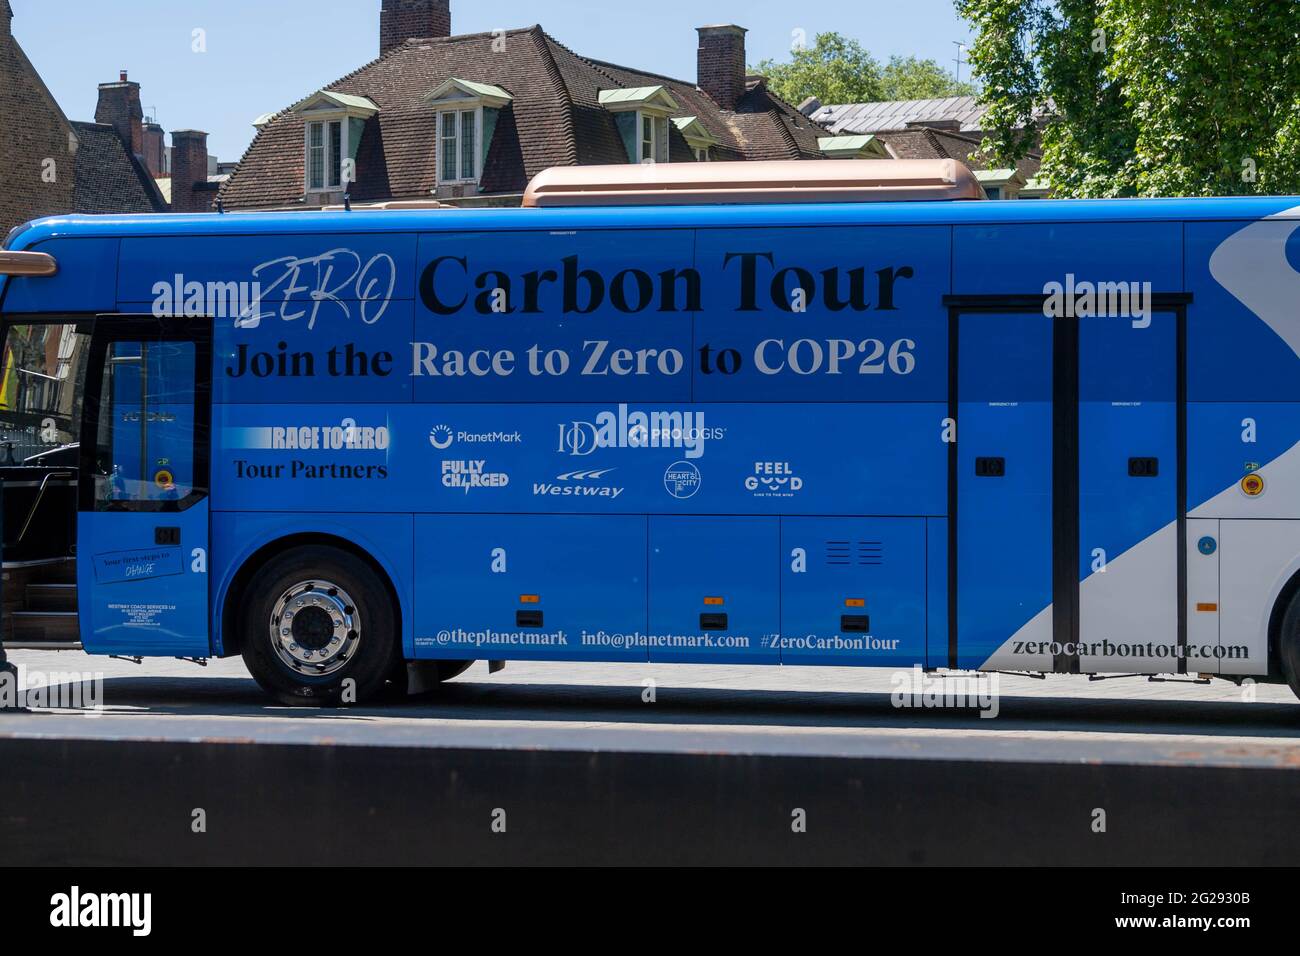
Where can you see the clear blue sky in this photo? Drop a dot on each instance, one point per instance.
(263, 55)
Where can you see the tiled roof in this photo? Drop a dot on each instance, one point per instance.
(555, 119)
(926, 143)
(109, 179)
(887, 115)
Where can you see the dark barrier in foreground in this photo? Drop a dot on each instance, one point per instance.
(74, 802)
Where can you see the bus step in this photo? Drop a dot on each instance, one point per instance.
(33, 629)
(51, 597)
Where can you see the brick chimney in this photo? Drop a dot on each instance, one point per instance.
(119, 107)
(155, 150)
(190, 192)
(402, 20)
(721, 63)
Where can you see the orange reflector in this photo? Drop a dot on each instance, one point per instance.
(855, 602)
(1252, 485)
(1207, 607)
(530, 599)
(714, 601)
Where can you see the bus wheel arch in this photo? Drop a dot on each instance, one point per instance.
(1284, 634)
(317, 620)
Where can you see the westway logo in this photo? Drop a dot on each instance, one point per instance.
(579, 484)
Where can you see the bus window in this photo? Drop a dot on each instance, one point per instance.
(41, 378)
(145, 442)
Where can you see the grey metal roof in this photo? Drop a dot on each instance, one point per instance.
(892, 115)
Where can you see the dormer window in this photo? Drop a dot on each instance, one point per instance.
(699, 139)
(642, 115)
(324, 155)
(331, 134)
(467, 116)
(854, 146)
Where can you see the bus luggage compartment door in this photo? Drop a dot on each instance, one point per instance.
(714, 589)
(853, 591)
(530, 587)
(142, 529)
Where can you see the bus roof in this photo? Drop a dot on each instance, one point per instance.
(964, 212)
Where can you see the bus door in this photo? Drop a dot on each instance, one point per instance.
(1067, 486)
(142, 552)
(1002, 383)
(1130, 497)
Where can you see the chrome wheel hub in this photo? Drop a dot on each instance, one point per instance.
(314, 628)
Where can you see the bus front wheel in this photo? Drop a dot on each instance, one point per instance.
(319, 628)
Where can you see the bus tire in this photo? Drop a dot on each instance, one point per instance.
(1289, 644)
(319, 628)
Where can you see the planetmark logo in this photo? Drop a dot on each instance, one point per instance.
(102, 910)
(624, 429)
(682, 480)
(442, 437)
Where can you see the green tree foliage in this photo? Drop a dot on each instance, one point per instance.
(1144, 97)
(837, 69)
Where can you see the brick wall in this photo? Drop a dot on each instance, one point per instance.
(37, 172)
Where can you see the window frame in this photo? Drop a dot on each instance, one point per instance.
(325, 123)
(458, 150)
(108, 329)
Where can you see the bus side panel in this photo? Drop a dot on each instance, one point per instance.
(715, 594)
(823, 315)
(1021, 259)
(530, 587)
(84, 282)
(561, 316)
(385, 537)
(1244, 420)
(853, 591)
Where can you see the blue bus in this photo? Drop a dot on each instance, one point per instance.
(357, 447)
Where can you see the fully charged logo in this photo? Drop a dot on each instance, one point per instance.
(469, 476)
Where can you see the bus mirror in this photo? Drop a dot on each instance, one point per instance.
(27, 264)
